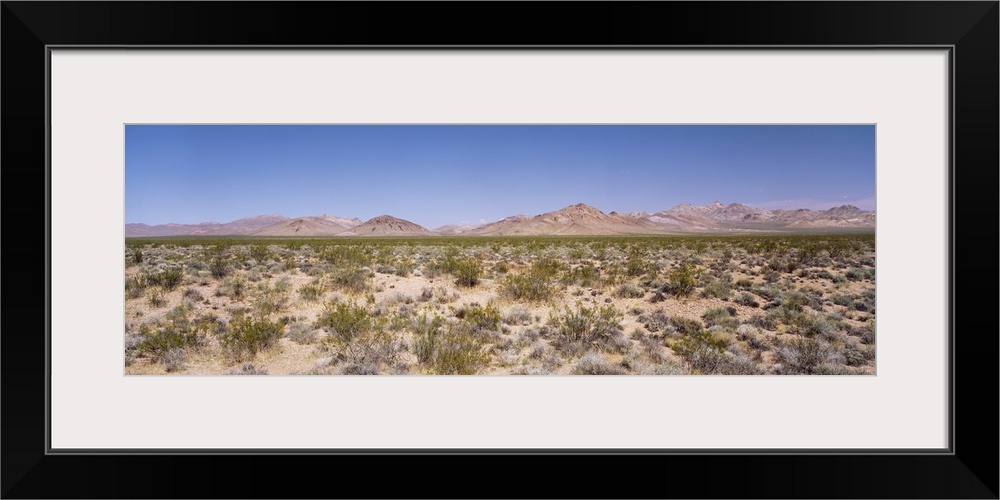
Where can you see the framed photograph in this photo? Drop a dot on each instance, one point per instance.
(491, 228)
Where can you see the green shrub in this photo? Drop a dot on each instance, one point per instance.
(359, 338)
(135, 257)
(313, 291)
(720, 316)
(178, 332)
(588, 325)
(351, 279)
(636, 266)
(247, 335)
(686, 326)
(501, 268)
(546, 266)
(260, 253)
(530, 286)
(484, 318)
(272, 299)
(468, 272)
(842, 300)
(585, 275)
(718, 289)
(707, 354)
(452, 350)
(167, 278)
(218, 267)
(682, 280)
(347, 320)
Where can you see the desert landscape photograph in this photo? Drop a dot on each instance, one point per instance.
(649, 250)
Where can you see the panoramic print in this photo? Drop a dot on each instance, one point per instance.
(650, 250)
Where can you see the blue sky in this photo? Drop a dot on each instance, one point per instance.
(451, 174)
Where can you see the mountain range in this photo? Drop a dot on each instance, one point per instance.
(579, 219)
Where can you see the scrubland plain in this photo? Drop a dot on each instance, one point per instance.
(783, 304)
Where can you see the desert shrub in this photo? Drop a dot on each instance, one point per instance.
(767, 292)
(467, 272)
(248, 368)
(548, 267)
(260, 253)
(629, 291)
(137, 256)
(167, 278)
(707, 354)
(855, 274)
(501, 268)
(135, 286)
(587, 326)
(272, 298)
(763, 322)
(857, 355)
(351, 279)
(404, 267)
(425, 295)
(529, 286)
(193, 294)
(746, 299)
(866, 332)
(842, 300)
(347, 320)
(247, 335)
(813, 326)
(483, 318)
(686, 326)
(804, 356)
(743, 284)
(234, 287)
(301, 333)
(347, 256)
(155, 297)
(751, 335)
(178, 332)
(359, 338)
(517, 315)
(584, 275)
(681, 280)
(312, 291)
(718, 289)
(635, 265)
(594, 363)
(720, 316)
(454, 349)
(174, 359)
(218, 267)
(654, 321)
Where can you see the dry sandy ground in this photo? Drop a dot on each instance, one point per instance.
(391, 292)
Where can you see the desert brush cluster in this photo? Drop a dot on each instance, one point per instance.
(779, 304)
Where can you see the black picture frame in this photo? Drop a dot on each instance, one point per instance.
(970, 29)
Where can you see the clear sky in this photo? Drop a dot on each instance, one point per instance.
(457, 174)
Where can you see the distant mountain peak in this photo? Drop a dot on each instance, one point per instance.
(387, 225)
(581, 208)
